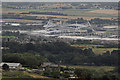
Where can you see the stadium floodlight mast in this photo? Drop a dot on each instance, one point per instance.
(89, 25)
(0, 38)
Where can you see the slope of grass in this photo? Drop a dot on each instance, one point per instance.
(103, 50)
(20, 75)
(96, 68)
(15, 74)
(87, 45)
(95, 49)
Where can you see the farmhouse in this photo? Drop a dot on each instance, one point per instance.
(12, 65)
(48, 65)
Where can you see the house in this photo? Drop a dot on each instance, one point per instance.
(48, 65)
(12, 65)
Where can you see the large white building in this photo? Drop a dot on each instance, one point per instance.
(12, 65)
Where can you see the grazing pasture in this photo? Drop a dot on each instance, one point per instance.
(95, 49)
(105, 11)
(96, 68)
(71, 13)
(20, 20)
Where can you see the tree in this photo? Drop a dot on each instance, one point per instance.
(107, 53)
(105, 77)
(5, 67)
(83, 74)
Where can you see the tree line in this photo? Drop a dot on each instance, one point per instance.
(46, 13)
(56, 52)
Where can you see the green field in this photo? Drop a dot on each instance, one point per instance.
(8, 36)
(85, 12)
(87, 45)
(15, 74)
(22, 75)
(95, 68)
(95, 49)
(38, 10)
(103, 50)
(69, 12)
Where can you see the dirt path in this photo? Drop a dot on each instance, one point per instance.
(35, 75)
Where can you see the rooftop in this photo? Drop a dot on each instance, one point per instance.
(10, 64)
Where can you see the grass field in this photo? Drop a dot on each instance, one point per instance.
(105, 11)
(20, 20)
(103, 50)
(20, 74)
(87, 45)
(96, 68)
(27, 10)
(72, 13)
(69, 17)
(14, 11)
(95, 49)
(36, 75)
(7, 37)
(15, 74)
(87, 13)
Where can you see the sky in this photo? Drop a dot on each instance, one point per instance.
(60, 0)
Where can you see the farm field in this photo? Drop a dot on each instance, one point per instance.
(95, 49)
(7, 36)
(105, 11)
(20, 74)
(4, 10)
(103, 50)
(36, 75)
(20, 20)
(72, 13)
(86, 12)
(15, 74)
(69, 17)
(87, 45)
(14, 11)
(96, 68)
(59, 18)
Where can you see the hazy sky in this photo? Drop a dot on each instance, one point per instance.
(60, 0)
